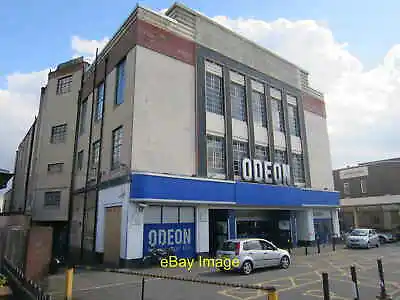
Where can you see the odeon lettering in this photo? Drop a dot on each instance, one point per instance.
(169, 237)
(265, 171)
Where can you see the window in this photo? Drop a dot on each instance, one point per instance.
(79, 160)
(52, 199)
(238, 101)
(294, 123)
(267, 246)
(214, 94)
(346, 188)
(120, 83)
(64, 85)
(363, 186)
(82, 117)
(298, 168)
(55, 168)
(240, 151)
(215, 154)
(281, 157)
(95, 156)
(117, 136)
(58, 134)
(100, 101)
(277, 115)
(261, 152)
(259, 110)
(170, 214)
(252, 245)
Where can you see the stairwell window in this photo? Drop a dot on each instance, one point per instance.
(64, 85)
(100, 102)
(58, 134)
(363, 185)
(117, 136)
(120, 83)
(346, 188)
(52, 199)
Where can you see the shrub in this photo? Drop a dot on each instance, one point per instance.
(3, 280)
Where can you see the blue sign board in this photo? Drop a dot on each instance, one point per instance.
(179, 236)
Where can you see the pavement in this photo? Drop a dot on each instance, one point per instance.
(301, 281)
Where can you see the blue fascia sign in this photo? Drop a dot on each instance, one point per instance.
(179, 236)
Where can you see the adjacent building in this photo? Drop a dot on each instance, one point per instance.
(180, 134)
(370, 194)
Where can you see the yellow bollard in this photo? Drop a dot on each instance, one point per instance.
(272, 295)
(69, 276)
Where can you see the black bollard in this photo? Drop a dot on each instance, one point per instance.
(318, 246)
(143, 288)
(325, 286)
(354, 279)
(334, 243)
(382, 295)
(306, 249)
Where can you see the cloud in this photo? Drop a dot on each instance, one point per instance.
(362, 105)
(87, 48)
(19, 100)
(19, 103)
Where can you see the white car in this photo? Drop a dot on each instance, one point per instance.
(254, 253)
(362, 238)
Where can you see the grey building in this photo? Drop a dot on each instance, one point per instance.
(370, 194)
(168, 131)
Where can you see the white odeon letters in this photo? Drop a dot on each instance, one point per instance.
(265, 171)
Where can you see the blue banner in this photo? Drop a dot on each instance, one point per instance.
(179, 236)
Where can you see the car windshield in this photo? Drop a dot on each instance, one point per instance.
(359, 233)
(228, 246)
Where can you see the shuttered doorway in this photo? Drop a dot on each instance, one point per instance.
(112, 235)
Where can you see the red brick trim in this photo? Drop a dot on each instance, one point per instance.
(314, 105)
(164, 42)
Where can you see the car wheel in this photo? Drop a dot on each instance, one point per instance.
(377, 245)
(285, 262)
(382, 240)
(247, 267)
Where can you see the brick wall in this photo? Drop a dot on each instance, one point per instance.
(38, 252)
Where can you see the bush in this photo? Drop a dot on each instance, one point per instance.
(3, 280)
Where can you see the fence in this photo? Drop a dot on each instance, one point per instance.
(22, 287)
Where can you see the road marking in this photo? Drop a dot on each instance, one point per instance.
(103, 286)
(319, 294)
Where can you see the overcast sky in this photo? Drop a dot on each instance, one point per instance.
(349, 48)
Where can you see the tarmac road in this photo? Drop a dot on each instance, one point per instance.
(301, 281)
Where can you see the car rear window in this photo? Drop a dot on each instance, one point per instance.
(228, 246)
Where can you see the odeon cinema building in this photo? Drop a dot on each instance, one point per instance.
(212, 137)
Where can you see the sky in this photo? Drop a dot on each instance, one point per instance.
(350, 48)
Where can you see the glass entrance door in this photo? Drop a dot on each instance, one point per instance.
(221, 233)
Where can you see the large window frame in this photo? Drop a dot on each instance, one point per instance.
(240, 151)
(259, 106)
(298, 170)
(238, 101)
(214, 93)
(216, 156)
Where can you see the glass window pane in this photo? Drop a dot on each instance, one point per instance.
(170, 214)
(214, 94)
(238, 100)
(259, 109)
(186, 215)
(152, 215)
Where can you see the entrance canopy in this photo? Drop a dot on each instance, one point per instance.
(5, 176)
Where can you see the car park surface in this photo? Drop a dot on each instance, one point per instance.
(301, 281)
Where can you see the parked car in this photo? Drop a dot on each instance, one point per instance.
(254, 253)
(362, 238)
(386, 237)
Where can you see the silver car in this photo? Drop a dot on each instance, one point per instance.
(362, 238)
(254, 253)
